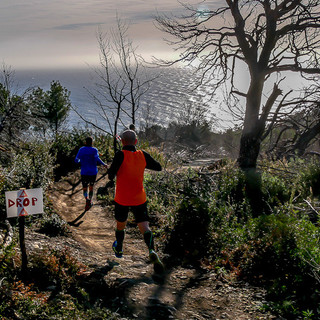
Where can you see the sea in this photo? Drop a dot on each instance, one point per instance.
(171, 91)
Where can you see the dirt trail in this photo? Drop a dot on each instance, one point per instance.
(183, 293)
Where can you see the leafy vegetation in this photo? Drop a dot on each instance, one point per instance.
(52, 225)
(66, 145)
(52, 107)
(57, 294)
(202, 218)
(209, 221)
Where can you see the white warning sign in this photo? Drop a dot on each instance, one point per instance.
(24, 202)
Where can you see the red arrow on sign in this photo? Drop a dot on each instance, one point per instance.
(23, 212)
(23, 194)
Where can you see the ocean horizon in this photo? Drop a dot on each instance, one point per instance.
(162, 104)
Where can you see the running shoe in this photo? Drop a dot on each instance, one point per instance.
(88, 204)
(158, 266)
(116, 250)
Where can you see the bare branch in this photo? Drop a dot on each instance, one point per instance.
(272, 38)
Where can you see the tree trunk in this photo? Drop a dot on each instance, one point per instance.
(250, 143)
(249, 151)
(252, 126)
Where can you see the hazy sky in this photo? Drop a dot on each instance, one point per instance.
(62, 33)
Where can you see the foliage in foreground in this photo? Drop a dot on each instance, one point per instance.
(65, 147)
(210, 208)
(35, 164)
(209, 220)
(57, 294)
(61, 292)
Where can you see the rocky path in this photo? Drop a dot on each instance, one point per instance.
(183, 293)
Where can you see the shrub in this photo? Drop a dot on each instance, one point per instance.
(190, 233)
(30, 167)
(231, 191)
(57, 267)
(275, 189)
(52, 225)
(2, 194)
(67, 145)
(164, 186)
(309, 179)
(228, 232)
(33, 299)
(275, 252)
(8, 258)
(190, 236)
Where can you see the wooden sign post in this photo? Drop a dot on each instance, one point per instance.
(19, 204)
(24, 257)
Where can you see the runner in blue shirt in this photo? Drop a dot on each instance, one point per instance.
(88, 157)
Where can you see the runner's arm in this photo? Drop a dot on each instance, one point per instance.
(78, 156)
(152, 164)
(115, 165)
(99, 161)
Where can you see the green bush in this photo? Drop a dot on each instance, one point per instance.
(164, 186)
(30, 167)
(2, 194)
(190, 235)
(8, 258)
(66, 146)
(57, 267)
(230, 184)
(26, 302)
(275, 189)
(52, 225)
(231, 191)
(275, 251)
(309, 179)
(228, 231)
(57, 294)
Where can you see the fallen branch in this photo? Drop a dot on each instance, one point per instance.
(310, 205)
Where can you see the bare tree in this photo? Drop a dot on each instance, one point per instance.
(269, 39)
(122, 79)
(292, 134)
(310, 129)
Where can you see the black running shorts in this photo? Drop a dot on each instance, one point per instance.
(88, 180)
(140, 212)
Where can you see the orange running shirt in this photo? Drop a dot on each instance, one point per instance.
(129, 185)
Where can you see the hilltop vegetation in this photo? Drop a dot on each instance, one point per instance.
(201, 217)
(255, 221)
(260, 227)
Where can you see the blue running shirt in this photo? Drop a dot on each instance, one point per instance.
(88, 158)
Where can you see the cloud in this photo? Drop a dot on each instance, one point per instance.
(76, 26)
(58, 32)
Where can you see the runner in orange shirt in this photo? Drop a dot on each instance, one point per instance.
(128, 166)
